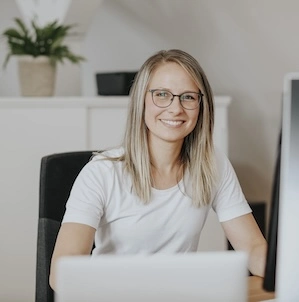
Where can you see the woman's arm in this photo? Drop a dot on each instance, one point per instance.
(245, 235)
(73, 239)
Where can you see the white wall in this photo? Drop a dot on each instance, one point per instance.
(246, 47)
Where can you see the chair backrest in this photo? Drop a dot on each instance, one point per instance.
(57, 175)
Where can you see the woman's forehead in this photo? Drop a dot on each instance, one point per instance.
(173, 75)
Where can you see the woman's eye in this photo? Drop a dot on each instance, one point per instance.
(188, 97)
(162, 94)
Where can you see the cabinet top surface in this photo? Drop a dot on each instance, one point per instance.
(81, 102)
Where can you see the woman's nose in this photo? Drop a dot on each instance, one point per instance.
(176, 106)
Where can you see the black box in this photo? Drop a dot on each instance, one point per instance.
(115, 83)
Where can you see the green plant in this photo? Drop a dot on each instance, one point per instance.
(40, 41)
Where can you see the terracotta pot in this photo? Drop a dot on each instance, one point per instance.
(37, 76)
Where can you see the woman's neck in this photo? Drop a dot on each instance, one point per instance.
(166, 166)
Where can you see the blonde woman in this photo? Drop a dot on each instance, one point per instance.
(153, 193)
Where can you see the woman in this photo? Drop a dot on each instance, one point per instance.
(153, 194)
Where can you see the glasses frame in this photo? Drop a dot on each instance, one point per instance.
(200, 96)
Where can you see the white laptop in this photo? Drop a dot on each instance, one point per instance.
(205, 276)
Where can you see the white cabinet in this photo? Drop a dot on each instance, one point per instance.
(31, 128)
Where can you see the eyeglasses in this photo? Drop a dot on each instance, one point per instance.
(163, 98)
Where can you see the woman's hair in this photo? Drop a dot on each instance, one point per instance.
(197, 153)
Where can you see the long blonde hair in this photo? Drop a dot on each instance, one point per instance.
(197, 153)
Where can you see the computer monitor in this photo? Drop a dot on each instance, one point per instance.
(285, 209)
(270, 271)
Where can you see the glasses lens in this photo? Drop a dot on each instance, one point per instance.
(190, 100)
(162, 98)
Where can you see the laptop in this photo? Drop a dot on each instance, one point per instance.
(205, 276)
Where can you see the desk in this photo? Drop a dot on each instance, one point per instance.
(255, 290)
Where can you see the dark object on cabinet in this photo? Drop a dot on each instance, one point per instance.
(57, 175)
(114, 83)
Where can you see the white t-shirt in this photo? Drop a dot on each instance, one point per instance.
(102, 198)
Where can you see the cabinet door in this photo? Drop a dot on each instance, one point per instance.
(106, 127)
(26, 136)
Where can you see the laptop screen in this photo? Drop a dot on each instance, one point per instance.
(205, 276)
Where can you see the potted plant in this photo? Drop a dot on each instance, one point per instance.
(39, 49)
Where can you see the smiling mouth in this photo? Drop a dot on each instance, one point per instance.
(172, 123)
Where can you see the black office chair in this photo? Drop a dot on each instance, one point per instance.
(57, 175)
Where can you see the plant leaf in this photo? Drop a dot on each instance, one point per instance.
(12, 33)
(22, 26)
(47, 40)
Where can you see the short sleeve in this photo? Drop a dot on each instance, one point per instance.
(85, 203)
(229, 201)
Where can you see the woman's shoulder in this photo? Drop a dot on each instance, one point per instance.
(108, 154)
(105, 160)
(103, 165)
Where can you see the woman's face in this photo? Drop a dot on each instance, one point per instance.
(173, 123)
